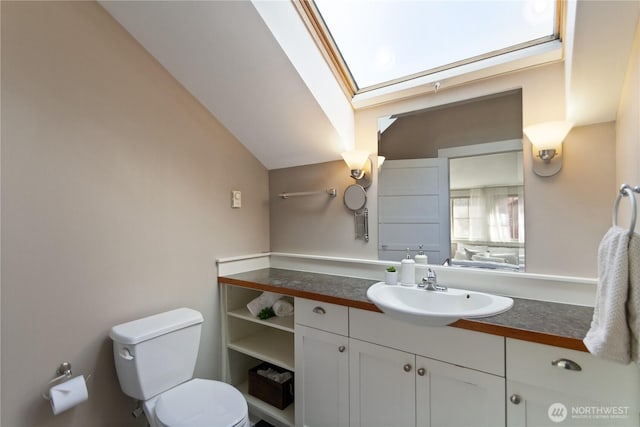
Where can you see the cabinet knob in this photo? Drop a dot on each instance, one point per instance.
(421, 372)
(319, 310)
(407, 367)
(342, 348)
(567, 364)
(515, 399)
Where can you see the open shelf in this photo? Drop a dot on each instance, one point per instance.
(271, 345)
(251, 341)
(282, 323)
(284, 416)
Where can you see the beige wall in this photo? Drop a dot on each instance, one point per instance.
(628, 130)
(566, 214)
(314, 224)
(115, 203)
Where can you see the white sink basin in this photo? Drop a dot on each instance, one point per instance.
(435, 308)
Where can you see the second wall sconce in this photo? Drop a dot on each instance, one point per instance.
(360, 165)
(546, 146)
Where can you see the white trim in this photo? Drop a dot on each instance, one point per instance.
(513, 61)
(543, 287)
(239, 264)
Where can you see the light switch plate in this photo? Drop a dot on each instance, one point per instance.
(236, 199)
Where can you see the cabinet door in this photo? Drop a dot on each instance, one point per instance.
(549, 386)
(449, 395)
(532, 406)
(382, 384)
(322, 378)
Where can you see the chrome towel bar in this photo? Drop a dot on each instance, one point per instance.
(331, 192)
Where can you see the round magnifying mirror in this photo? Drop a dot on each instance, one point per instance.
(355, 197)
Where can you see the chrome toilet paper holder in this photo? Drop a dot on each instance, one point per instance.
(63, 372)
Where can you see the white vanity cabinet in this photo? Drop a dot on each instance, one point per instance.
(396, 380)
(322, 364)
(449, 395)
(383, 386)
(549, 386)
(361, 368)
(249, 341)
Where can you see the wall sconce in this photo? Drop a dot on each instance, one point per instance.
(546, 146)
(360, 165)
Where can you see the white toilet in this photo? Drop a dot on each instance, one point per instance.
(155, 358)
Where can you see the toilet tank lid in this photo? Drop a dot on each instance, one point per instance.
(140, 330)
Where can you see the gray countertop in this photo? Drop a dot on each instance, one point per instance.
(563, 325)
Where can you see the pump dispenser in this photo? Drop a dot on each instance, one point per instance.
(408, 271)
(421, 265)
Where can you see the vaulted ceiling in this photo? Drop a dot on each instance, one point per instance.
(256, 69)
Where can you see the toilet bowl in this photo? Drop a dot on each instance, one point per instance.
(199, 403)
(155, 358)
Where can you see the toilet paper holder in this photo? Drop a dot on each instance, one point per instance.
(63, 372)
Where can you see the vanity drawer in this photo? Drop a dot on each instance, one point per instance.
(598, 379)
(322, 315)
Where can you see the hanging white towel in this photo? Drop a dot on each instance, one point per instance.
(633, 303)
(265, 300)
(609, 336)
(283, 308)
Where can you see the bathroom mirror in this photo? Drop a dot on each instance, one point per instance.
(452, 181)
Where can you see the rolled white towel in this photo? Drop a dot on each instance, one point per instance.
(265, 300)
(283, 308)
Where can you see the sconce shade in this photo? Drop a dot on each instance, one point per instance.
(548, 135)
(360, 166)
(355, 159)
(546, 146)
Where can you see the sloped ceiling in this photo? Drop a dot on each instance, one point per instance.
(225, 54)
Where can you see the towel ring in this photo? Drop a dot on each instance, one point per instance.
(626, 190)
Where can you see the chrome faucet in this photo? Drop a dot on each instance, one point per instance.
(430, 283)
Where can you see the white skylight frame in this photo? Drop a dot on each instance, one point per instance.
(519, 52)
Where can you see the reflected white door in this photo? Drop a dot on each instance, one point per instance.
(413, 209)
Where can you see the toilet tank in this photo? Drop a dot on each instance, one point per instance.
(156, 353)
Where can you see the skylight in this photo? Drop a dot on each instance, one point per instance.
(380, 42)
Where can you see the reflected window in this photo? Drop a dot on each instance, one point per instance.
(487, 215)
(460, 218)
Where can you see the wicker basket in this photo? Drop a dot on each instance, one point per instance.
(277, 394)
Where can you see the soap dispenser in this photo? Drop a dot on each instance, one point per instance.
(408, 271)
(421, 265)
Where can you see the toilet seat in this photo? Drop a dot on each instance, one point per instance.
(201, 403)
